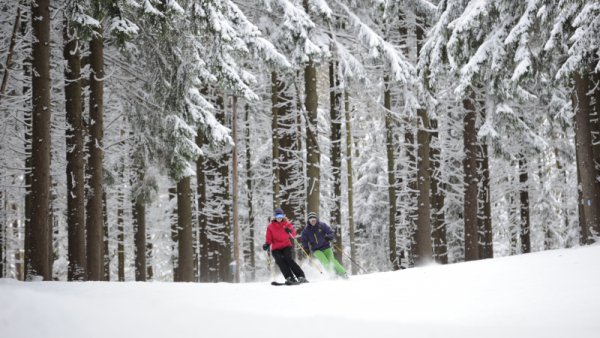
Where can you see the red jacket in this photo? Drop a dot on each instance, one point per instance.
(276, 235)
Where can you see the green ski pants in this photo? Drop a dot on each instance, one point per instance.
(328, 260)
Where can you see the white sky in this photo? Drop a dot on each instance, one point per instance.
(547, 294)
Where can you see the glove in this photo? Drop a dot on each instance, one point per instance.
(266, 246)
(328, 238)
(288, 230)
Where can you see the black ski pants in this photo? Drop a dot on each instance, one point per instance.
(289, 268)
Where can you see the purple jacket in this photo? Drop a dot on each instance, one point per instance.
(313, 237)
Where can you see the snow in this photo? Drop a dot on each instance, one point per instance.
(545, 294)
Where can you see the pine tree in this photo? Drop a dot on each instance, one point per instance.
(37, 251)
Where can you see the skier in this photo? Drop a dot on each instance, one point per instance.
(316, 238)
(280, 233)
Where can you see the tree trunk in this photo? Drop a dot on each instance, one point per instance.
(149, 269)
(120, 232)
(95, 236)
(595, 122)
(524, 193)
(350, 178)
(470, 179)
(38, 249)
(389, 140)
(75, 160)
(424, 251)
(486, 247)
(140, 238)
(235, 179)
(313, 153)
(335, 102)
(595, 126)
(202, 220)
(289, 169)
(106, 256)
(438, 233)
(174, 235)
(184, 236)
(276, 87)
(249, 253)
(583, 136)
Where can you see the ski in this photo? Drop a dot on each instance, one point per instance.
(275, 283)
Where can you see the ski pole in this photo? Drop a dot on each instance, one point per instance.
(350, 258)
(307, 255)
(270, 265)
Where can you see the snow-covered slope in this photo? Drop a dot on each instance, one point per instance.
(547, 294)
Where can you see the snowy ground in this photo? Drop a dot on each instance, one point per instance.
(547, 294)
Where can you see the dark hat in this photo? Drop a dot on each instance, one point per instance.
(279, 212)
(312, 215)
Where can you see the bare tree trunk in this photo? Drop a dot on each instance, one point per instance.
(583, 136)
(277, 86)
(288, 168)
(202, 219)
(75, 160)
(95, 236)
(438, 233)
(106, 258)
(424, 248)
(335, 102)
(524, 193)
(249, 253)
(313, 155)
(149, 269)
(389, 123)
(174, 235)
(4, 224)
(470, 179)
(184, 224)
(223, 219)
(486, 247)
(595, 128)
(38, 250)
(120, 233)
(139, 231)
(350, 178)
(235, 179)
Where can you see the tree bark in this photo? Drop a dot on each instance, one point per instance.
(424, 251)
(202, 220)
(120, 234)
(38, 249)
(75, 160)
(486, 247)
(277, 86)
(313, 155)
(440, 244)
(184, 223)
(235, 179)
(350, 178)
(288, 167)
(250, 255)
(335, 103)
(95, 236)
(590, 186)
(140, 237)
(391, 165)
(524, 194)
(470, 179)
